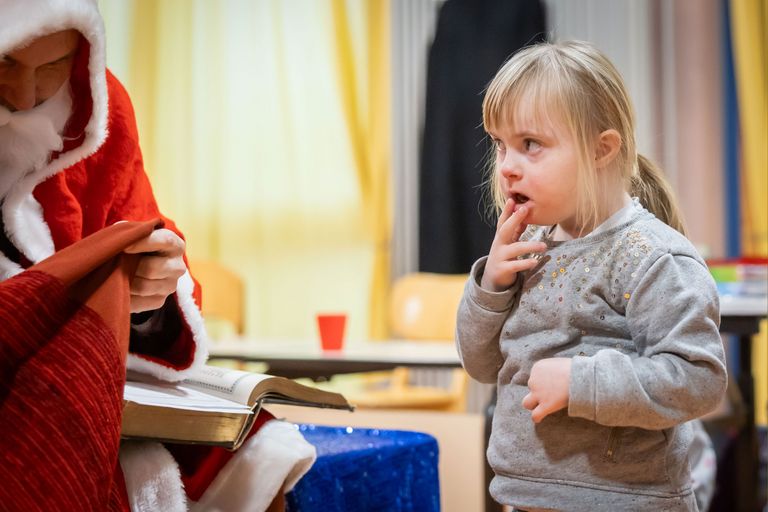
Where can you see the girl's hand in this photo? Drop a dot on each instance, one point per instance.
(159, 269)
(548, 385)
(503, 264)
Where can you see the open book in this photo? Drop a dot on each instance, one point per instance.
(214, 405)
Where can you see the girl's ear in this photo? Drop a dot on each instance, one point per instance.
(607, 147)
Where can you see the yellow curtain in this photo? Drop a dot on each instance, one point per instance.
(749, 28)
(367, 116)
(243, 112)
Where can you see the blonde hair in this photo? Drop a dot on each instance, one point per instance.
(574, 84)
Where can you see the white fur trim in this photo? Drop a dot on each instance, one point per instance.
(8, 268)
(26, 227)
(194, 319)
(271, 461)
(152, 478)
(22, 21)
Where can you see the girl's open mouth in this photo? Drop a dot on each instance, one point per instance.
(519, 198)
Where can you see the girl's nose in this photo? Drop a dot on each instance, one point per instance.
(510, 166)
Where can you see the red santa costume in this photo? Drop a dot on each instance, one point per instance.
(93, 178)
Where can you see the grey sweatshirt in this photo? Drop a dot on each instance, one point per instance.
(637, 311)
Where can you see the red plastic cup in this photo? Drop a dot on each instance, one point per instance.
(331, 327)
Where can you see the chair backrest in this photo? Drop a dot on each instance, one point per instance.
(223, 293)
(423, 305)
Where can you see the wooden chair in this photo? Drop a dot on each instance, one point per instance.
(223, 293)
(422, 306)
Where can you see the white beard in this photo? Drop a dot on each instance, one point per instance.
(28, 137)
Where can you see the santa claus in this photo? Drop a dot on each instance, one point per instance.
(70, 165)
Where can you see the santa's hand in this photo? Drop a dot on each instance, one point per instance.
(548, 385)
(159, 269)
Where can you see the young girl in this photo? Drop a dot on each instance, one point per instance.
(597, 321)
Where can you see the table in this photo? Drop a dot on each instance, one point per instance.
(304, 358)
(368, 469)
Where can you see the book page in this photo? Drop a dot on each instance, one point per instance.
(179, 396)
(225, 383)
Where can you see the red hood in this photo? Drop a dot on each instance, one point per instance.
(22, 21)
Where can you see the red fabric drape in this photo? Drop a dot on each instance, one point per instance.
(64, 329)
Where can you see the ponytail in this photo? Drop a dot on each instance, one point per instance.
(655, 193)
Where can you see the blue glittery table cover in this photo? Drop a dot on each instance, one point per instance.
(362, 470)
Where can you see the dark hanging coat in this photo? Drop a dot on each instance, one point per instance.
(473, 39)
